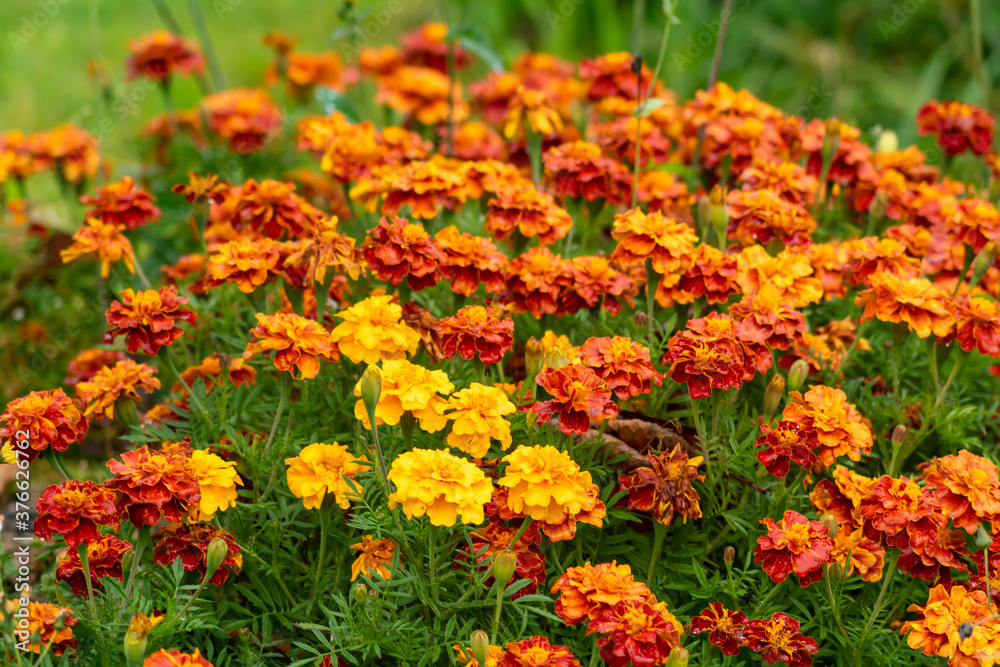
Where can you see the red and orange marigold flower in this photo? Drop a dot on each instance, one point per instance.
(111, 382)
(839, 428)
(44, 419)
(121, 203)
(778, 638)
(578, 169)
(958, 126)
(638, 632)
(397, 249)
(668, 244)
(247, 118)
(161, 54)
(795, 545)
(469, 261)
(532, 213)
(766, 317)
(104, 242)
(154, 486)
(74, 510)
(424, 186)
(297, 341)
(273, 209)
(579, 395)
(104, 557)
(901, 513)
(966, 487)
(937, 630)
(148, 319)
(664, 488)
(190, 543)
(918, 302)
(977, 324)
(758, 216)
(536, 281)
(42, 632)
(246, 262)
(476, 329)
(712, 274)
(784, 444)
(726, 628)
(536, 651)
(174, 658)
(622, 363)
(588, 590)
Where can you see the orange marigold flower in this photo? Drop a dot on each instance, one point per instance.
(246, 262)
(121, 203)
(788, 179)
(536, 651)
(423, 93)
(108, 384)
(427, 46)
(537, 280)
(375, 556)
(534, 107)
(778, 638)
(470, 261)
(477, 141)
(190, 543)
(768, 319)
(465, 657)
(918, 302)
(726, 627)
(790, 272)
(74, 510)
(666, 194)
(958, 127)
(901, 513)
(174, 658)
(547, 485)
(711, 275)
(856, 553)
(840, 429)
(578, 394)
(160, 54)
(639, 632)
(43, 419)
(623, 364)
(578, 169)
(105, 242)
(42, 620)
(327, 249)
(396, 249)
(305, 71)
(148, 320)
(966, 487)
(440, 485)
(298, 342)
(795, 545)
(842, 497)
(944, 556)
(612, 75)
(272, 208)
(246, 117)
(210, 368)
(476, 329)
(477, 415)
(758, 216)
(664, 489)
(409, 388)
(617, 138)
(531, 212)
(977, 325)
(323, 469)
(373, 331)
(788, 441)
(86, 364)
(588, 590)
(349, 151)
(104, 557)
(596, 282)
(201, 188)
(872, 255)
(937, 631)
(424, 186)
(183, 268)
(71, 149)
(668, 244)
(154, 486)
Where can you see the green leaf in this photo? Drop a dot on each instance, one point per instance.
(489, 56)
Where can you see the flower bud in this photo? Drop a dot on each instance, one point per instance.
(773, 394)
(717, 211)
(831, 139)
(534, 357)
(797, 374)
(887, 142)
(371, 389)
(984, 260)
(407, 423)
(556, 358)
(373, 595)
(729, 555)
(678, 658)
(216, 553)
(981, 538)
(835, 572)
(898, 435)
(139, 628)
(704, 215)
(504, 563)
(641, 319)
(830, 522)
(480, 643)
(964, 631)
(360, 593)
(880, 202)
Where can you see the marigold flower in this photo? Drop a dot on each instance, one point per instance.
(246, 117)
(84, 365)
(778, 638)
(154, 486)
(977, 324)
(111, 382)
(217, 482)
(537, 280)
(531, 212)
(74, 510)
(44, 419)
(476, 329)
(578, 394)
(410, 388)
(966, 487)
(767, 318)
(842, 497)
(758, 216)
(596, 282)
(298, 342)
(788, 179)
(104, 557)
(790, 272)
(105, 242)
(623, 364)
(588, 590)
(271, 207)
(160, 54)
(321, 469)
(664, 488)
(210, 368)
(916, 301)
(612, 75)
(727, 628)
(148, 319)
(372, 331)
(901, 512)
(439, 484)
(667, 243)
(375, 555)
(305, 71)
(399, 249)
(937, 631)
(711, 275)
(477, 141)
(548, 486)
(174, 658)
(856, 553)
(121, 203)
(424, 186)
(246, 262)
(958, 127)
(190, 543)
(872, 255)
(470, 261)
(42, 619)
(477, 414)
(788, 441)
(578, 169)
(795, 545)
(425, 93)
(536, 651)
(943, 556)
(836, 423)
(70, 149)
(715, 352)
(639, 632)
(535, 108)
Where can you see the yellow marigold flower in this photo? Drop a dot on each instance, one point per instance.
(790, 273)
(375, 555)
(440, 485)
(936, 631)
(320, 469)
(217, 480)
(478, 414)
(534, 105)
(373, 331)
(105, 242)
(547, 485)
(407, 387)
(246, 262)
(7, 454)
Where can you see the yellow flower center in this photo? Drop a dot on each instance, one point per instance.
(797, 537)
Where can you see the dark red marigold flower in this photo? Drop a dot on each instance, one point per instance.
(726, 627)
(704, 365)
(778, 638)
(977, 325)
(121, 203)
(272, 208)
(396, 249)
(795, 545)
(622, 363)
(469, 261)
(942, 557)
(902, 513)
(640, 632)
(958, 126)
(476, 329)
(611, 75)
(154, 486)
(578, 169)
(104, 557)
(529, 560)
(148, 319)
(160, 54)
(536, 651)
(578, 395)
(74, 510)
(537, 280)
(664, 489)
(189, 542)
(786, 442)
(45, 419)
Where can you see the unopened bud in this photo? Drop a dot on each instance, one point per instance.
(360, 593)
(879, 205)
(373, 595)
(371, 389)
(830, 522)
(898, 435)
(556, 358)
(729, 555)
(984, 260)
(831, 138)
(678, 658)
(641, 319)
(887, 142)
(835, 572)
(60, 621)
(139, 628)
(982, 538)
(407, 423)
(534, 357)
(773, 395)
(797, 374)
(717, 212)
(216, 553)
(504, 564)
(480, 643)
(964, 631)
(704, 214)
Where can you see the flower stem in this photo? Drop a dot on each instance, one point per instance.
(432, 535)
(888, 572)
(767, 598)
(652, 280)
(659, 532)
(141, 542)
(85, 563)
(286, 389)
(55, 459)
(932, 360)
(201, 587)
(696, 416)
(206, 43)
(164, 355)
(833, 603)
(955, 370)
(535, 153)
(324, 528)
(497, 610)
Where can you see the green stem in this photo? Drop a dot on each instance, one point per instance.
(534, 140)
(85, 563)
(767, 598)
(696, 416)
(164, 355)
(321, 303)
(141, 542)
(142, 274)
(432, 535)
(201, 587)
(955, 370)
(833, 603)
(932, 360)
(286, 389)
(976, 13)
(324, 528)
(652, 281)
(206, 44)
(887, 574)
(659, 532)
(55, 460)
(497, 610)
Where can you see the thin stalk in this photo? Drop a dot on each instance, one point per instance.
(720, 42)
(206, 44)
(497, 610)
(932, 360)
(55, 460)
(85, 563)
(324, 528)
(165, 356)
(888, 572)
(955, 370)
(322, 299)
(696, 416)
(534, 140)
(767, 598)
(141, 542)
(659, 532)
(652, 281)
(833, 603)
(286, 389)
(142, 274)
(201, 587)
(976, 20)
(432, 535)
